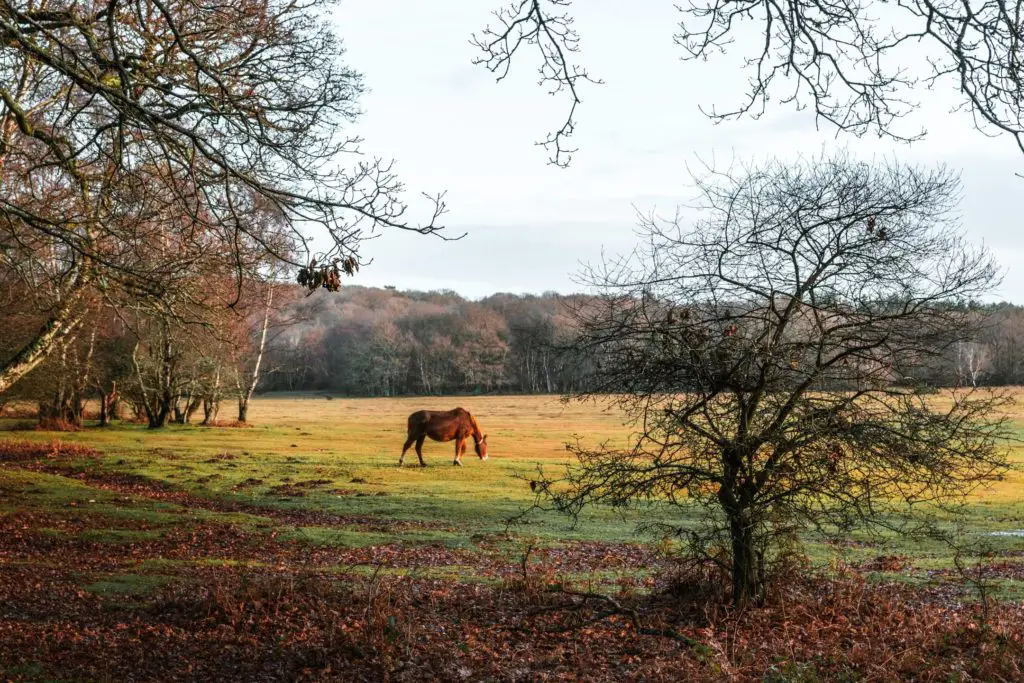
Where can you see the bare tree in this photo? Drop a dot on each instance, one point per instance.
(856, 64)
(129, 124)
(547, 26)
(971, 362)
(757, 350)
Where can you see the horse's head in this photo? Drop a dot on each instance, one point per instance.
(481, 447)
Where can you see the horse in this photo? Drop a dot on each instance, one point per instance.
(444, 425)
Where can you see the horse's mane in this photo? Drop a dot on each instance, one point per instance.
(477, 432)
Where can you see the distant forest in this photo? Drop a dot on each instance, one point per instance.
(168, 364)
(381, 342)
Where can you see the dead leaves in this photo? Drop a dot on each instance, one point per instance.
(251, 603)
(34, 452)
(314, 276)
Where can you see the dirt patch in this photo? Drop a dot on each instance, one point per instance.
(577, 557)
(123, 482)
(44, 458)
(300, 488)
(992, 570)
(220, 457)
(54, 424)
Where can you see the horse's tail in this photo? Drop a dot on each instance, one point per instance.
(416, 422)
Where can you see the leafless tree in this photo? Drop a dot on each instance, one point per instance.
(759, 353)
(547, 26)
(132, 124)
(971, 360)
(855, 63)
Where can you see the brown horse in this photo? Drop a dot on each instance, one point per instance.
(444, 425)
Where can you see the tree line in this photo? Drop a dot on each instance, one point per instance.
(162, 365)
(383, 342)
(153, 362)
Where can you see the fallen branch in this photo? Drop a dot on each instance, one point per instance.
(617, 609)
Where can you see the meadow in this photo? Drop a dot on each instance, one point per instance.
(297, 548)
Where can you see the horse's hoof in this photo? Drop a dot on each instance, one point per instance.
(423, 464)
(457, 463)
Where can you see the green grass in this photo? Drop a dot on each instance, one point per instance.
(354, 538)
(353, 446)
(339, 458)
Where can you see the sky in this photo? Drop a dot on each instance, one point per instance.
(530, 226)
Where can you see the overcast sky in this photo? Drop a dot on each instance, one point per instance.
(452, 128)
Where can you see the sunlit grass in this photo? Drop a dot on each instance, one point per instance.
(340, 457)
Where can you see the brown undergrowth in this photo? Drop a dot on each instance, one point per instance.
(23, 452)
(246, 624)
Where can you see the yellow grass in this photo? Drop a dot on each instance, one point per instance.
(353, 445)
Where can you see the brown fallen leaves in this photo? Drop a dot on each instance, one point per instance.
(261, 624)
(23, 452)
(235, 603)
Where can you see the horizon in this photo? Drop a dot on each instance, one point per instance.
(477, 299)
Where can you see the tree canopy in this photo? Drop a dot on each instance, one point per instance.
(143, 142)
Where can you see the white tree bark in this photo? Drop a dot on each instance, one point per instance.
(245, 393)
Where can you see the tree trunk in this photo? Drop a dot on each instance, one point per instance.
(246, 395)
(50, 335)
(195, 403)
(210, 409)
(112, 403)
(82, 382)
(547, 372)
(747, 582)
(109, 408)
(167, 399)
(154, 408)
(177, 410)
(736, 499)
(60, 408)
(211, 402)
(424, 379)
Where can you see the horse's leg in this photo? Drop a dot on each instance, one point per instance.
(419, 450)
(460, 446)
(408, 442)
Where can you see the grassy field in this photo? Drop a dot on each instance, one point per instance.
(340, 457)
(314, 484)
